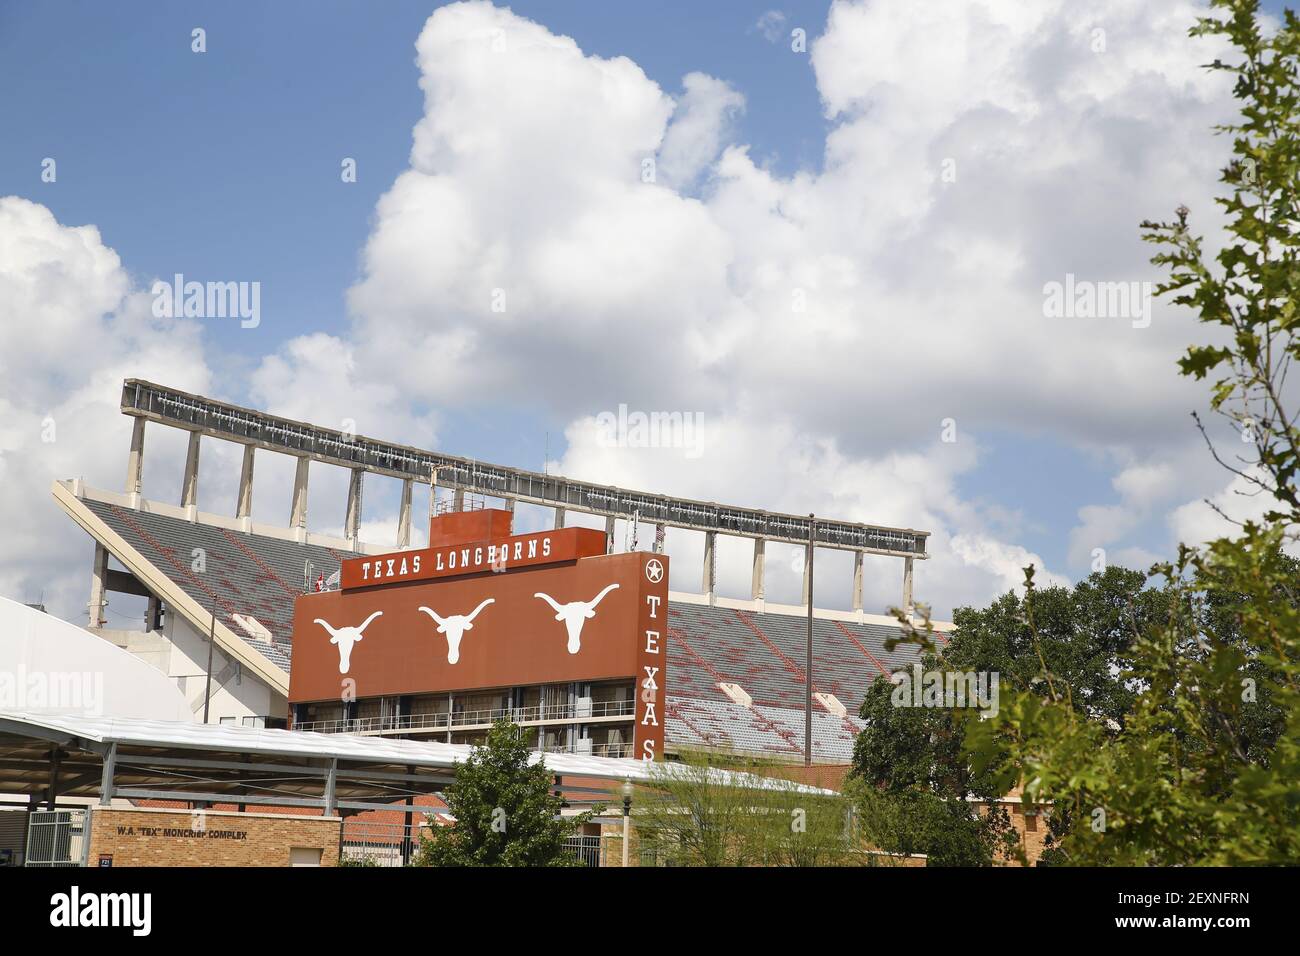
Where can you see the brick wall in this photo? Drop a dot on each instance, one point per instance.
(154, 837)
(1031, 828)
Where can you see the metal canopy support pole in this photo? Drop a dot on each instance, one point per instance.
(808, 651)
(409, 825)
(627, 820)
(52, 794)
(106, 783)
(331, 780)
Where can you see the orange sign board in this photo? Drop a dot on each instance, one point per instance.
(501, 554)
(590, 618)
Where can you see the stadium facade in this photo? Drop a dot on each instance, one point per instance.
(733, 676)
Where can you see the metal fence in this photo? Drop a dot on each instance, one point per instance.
(379, 844)
(58, 838)
(585, 848)
(393, 844)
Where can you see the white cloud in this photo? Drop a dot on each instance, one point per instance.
(1197, 522)
(72, 327)
(771, 25)
(700, 122)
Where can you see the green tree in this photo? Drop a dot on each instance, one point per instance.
(714, 809)
(916, 788)
(1206, 767)
(911, 782)
(505, 811)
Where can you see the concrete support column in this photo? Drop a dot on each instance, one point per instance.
(756, 590)
(244, 503)
(98, 587)
(609, 535)
(559, 517)
(510, 505)
(153, 611)
(352, 520)
(135, 460)
(807, 569)
(857, 580)
(298, 514)
(907, 585)
(458, 500)
(710, 564)
(190, 481)
(404, 515)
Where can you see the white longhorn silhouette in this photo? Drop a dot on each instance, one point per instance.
(575, 614)
(346, 638)
(455, 627)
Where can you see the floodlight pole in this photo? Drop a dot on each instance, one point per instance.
(808, 652)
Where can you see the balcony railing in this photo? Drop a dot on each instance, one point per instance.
(612, 750)
(471, 719)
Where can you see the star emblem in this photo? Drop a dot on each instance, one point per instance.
(654, 570)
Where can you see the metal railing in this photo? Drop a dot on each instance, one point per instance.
(58, 838)
(612, 750)
(470, 719)
(585, 848)
(379, 844)
(394, 844)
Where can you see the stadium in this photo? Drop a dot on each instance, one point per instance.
(374, 670)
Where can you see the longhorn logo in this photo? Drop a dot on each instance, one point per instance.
(575, 614)
(455, 627)
(346, 638)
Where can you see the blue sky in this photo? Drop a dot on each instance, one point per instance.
(218, 164)
(226, 164)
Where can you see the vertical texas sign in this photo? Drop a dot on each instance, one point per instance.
(648, 738)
